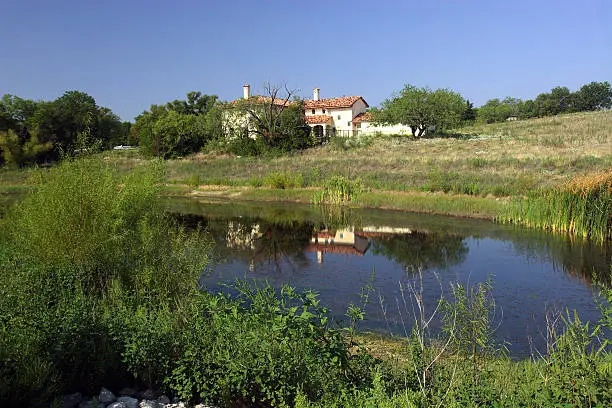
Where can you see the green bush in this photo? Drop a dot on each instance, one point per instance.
(84, 243)
(262, 346)
(284, 180)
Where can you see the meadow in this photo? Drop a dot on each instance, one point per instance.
(98, 286)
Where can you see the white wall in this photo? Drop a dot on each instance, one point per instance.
(342, 118)
(369, 128)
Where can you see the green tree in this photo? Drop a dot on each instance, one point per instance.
(498, 111)
(274, 118)
(527, 109)
(559, 100)
(195, 104)
(422, 109)
(178, 127)
(19, 151)
(469, 114)
(594, 96)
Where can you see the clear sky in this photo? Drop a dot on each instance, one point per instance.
(131, 54)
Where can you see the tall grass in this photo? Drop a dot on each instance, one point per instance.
(582, 208)
(83, 259)
(338, 190)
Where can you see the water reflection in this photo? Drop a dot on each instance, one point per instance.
(338, 253)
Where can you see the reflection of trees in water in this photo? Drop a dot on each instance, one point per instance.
(578, 258)
(282, 242)
(422, 250)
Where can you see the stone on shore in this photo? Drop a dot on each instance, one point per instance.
(129, 402)
(106, 396)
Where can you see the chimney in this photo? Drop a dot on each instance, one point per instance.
(246, 89)
(315, 94)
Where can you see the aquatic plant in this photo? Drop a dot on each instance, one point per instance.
(582, 208)
(338, 190)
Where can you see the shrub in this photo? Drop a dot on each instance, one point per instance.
(261, 346)
(284, 180)
(338, 190)
(86, 242)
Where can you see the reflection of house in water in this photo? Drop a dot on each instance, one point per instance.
(241, 236)
(342, 241)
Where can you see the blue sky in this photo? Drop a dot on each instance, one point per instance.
(131, 54)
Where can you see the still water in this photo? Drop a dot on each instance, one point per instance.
(345, 253)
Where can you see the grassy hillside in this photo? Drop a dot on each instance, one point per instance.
(480, 166)
(499, 159)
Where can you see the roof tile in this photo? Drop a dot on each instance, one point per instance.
(342, 102)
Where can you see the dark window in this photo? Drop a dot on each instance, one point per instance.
(348, 124)
(323, 110)
(358, 126)
(338, 116)
(313, 111)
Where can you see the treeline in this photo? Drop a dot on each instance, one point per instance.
(244, 127)
(591, 97)
(179, 127)
(43, 131)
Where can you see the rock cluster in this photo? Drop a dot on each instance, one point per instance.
(127, 398)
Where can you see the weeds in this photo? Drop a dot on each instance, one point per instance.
(338, 191)
(283, 180)
(582, 208)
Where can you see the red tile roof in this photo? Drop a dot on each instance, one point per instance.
(263, 99)
(363, 117)
(314, 119)
(330, 103)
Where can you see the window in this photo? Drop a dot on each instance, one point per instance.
(323, 110)
(313, 111)
(338, 117)
(358, 126)
(348, 123)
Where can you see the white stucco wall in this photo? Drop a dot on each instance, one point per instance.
(318, 111)
(342, 118)
(369, 128)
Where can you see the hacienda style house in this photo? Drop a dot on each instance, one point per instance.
(342, 116)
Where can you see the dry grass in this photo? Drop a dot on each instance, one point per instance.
(499, 159)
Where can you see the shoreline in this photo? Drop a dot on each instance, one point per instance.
(461, 206)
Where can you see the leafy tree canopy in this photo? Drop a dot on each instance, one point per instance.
(422, 109)
(179, 127)
(38, 131)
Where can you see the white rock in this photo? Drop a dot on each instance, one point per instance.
(106, 396)
(128, 401)
(117, 405)
(163, 400)
(150, 404)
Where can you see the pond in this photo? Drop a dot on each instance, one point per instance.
(344, 254)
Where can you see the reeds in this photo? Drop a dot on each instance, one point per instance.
(582, 208)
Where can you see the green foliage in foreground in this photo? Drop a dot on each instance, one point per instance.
(85, 245)
(98, 287)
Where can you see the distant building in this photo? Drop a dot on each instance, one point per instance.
(342, 116)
